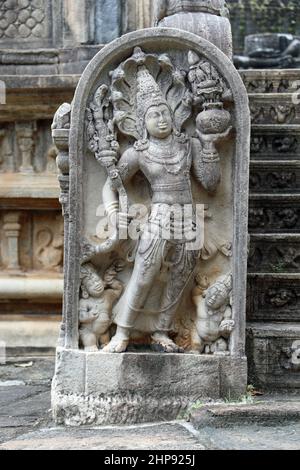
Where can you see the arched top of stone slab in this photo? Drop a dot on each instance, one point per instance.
(161, 39)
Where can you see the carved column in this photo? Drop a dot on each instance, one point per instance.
(60, 135)
(2, 135)
(25, 133)
(12, 228)
(6, 155)
(144, 11)
(206, 18)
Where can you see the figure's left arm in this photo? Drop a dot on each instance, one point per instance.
(115, 291)
(206, 168)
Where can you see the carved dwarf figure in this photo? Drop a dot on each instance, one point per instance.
(95, 306)
(214, 322)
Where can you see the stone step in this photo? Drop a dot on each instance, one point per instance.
(273, 351)
(17, 189)
(29, 335)
(270, 81)
(281, 176)
(263, 413)
(274, 213)
(275, 109)
(37, 287)
(274, 253)
(269, 142)
(273, 297)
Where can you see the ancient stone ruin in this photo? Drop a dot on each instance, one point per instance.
(154, 158)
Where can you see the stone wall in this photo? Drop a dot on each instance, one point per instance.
(44, 47)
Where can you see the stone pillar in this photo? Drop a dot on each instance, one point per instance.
(108, 15)
(2, 135)
(144, 14)
(25, 133)
(6, 154)
(206, 18)
(12, 228)
(60, 135)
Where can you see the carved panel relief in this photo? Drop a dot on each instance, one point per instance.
(23, 19)
(279, 145)
(270, 216)
(273, 298)
(31, 241)
(26, 147)
(275, 179)
(275, 82)
(274, 256)
(281, 113)
(48, 241)
(125, 136)
(275, 353)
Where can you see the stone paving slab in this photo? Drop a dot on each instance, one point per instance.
(40, 373)
(251, 437)
(269, 413)
(164, 436)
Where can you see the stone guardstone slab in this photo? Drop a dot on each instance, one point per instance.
(154, 156)
(93, 388)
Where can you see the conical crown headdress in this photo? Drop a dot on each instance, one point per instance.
(148, 93)
(145, 80)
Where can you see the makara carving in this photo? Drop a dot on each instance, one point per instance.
(148, 102)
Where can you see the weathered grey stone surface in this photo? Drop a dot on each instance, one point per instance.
(98, 388)
(260, 413)
(273, 350)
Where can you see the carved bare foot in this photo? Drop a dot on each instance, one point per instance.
(166, 343)
(115, 346)
(118, 343)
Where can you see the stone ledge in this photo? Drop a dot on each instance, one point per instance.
(35, 186)
(97, 388)
(274, 330)
(33, 288)
(276, 276)
(29, 334)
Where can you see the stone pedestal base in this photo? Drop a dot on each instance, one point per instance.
(96, 388)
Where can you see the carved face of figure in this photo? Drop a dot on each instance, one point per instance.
(93, 285)
(158, 121)
(216, 297)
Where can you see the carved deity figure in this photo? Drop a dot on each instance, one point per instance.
(95, 306)
(151, 102)
(214, 322)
